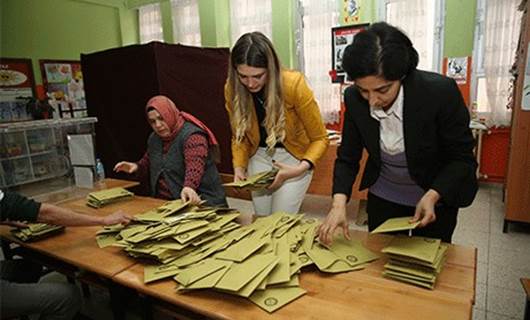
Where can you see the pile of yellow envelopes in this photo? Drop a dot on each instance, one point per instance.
(257, 181)
(34, 231)
(415, 260)
(206, 249)
(101, 198)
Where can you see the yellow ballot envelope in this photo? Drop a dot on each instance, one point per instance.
(396, 224)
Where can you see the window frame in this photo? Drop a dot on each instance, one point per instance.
(477, 71)
(330, 115)
(161, 26)
(234, 36)
(174, 18)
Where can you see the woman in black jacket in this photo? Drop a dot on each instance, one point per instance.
(415, 127)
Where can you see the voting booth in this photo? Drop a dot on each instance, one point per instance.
(120, 81)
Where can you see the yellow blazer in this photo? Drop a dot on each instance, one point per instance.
(305, 134)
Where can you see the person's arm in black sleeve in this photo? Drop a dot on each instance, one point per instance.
(344, 174)
(349, 152)
(15, 207)
(456, 182)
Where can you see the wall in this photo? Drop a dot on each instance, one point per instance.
(62, 29)
(459, 28)
(367, 12)
(215, 22)
(459, 23)
(215, 27)
(40, 29)
(282, 31)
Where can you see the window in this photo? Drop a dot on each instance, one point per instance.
(478, 80)
(250, 15)
(314, 53)
(422, 21)
(186, 22)
(496, 37)
(150, 21)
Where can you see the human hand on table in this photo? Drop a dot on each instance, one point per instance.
(425, 208)
(336, 218)
(116, 217)
(240, 174)
(286, 172)
(125, 166)
(16, 224)
(188, 194)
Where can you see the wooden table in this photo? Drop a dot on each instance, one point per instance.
(76, 192)
(355, 295)
(76, 249)
(77, 245)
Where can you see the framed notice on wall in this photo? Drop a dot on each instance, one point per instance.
(351, 11)
(341, 37)
(63, 82)
(17, 87)
(459, 69)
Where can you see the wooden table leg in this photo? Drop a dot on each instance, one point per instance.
(526, 286)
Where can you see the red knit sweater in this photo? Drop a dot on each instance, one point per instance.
(195, 153)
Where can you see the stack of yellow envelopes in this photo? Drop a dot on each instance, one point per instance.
(101, 198)
(34, 231)
(203, 248)
(259, 262)
(415, 260)
(257, 181)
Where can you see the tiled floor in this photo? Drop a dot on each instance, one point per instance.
(503, 258)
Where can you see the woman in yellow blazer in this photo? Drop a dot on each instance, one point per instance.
(275, 122)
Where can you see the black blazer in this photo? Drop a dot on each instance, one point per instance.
(438, 141)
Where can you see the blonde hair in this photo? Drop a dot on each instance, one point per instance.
(255, 50)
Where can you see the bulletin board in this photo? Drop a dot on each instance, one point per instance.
(17, 86)
(341, 37)
(63, 83)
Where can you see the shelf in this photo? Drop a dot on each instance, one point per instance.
(45, 177)
(43, 152)
(41, 124)
(15, 157)
(29, 155)
(47, 139)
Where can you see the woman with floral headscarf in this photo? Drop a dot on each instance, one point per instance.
(180, 156)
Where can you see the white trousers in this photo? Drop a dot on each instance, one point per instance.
(288, 198)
